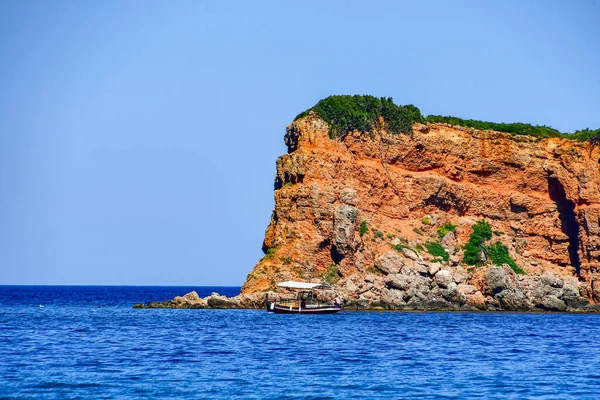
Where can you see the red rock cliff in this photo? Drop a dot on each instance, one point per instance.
(541, 196)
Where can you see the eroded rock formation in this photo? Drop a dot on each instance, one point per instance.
(541, 197)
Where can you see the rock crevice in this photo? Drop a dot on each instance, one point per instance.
(568, 219)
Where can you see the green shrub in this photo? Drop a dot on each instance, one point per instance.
(379, 234)
(286, 260)
(332, 275)
(426, 220)
(513, 128)
(345, 114)
(389, 235)
(364, 228)
(287, 184)
(270, 253)
(482, 231)
(517, 128)
(436, 250)
(472, 254)
(498, 233)
(589, 135)
(362, 113)
(498, 254)
(417, 231)
(414, 112)
(444, 229)
(401, 246)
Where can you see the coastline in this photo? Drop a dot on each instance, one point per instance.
(250, 302)
(435, 288)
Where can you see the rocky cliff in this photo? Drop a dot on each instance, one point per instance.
(370, 211)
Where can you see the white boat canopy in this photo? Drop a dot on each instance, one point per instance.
(303, 285)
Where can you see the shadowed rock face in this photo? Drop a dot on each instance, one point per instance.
(541, 197)
(568, 219)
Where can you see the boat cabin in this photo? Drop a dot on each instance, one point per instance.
(312, 298)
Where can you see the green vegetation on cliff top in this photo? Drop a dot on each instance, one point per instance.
(365, 113)
(345, 114)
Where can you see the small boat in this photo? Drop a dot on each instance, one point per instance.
(307, 301)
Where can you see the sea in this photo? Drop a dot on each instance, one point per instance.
(80, 342)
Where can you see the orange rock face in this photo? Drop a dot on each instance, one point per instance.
(541, 197)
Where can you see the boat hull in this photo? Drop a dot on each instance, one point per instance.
(279, 309)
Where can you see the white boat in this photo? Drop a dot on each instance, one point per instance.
(306, 301)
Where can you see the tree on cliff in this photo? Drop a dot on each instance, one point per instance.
(497, 253)
(482, 231)
(345, 114)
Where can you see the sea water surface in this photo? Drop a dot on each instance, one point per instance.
(88, 342)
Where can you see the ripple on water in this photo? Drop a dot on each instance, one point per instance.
(80, 350)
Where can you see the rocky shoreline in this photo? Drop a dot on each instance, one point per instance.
(496, 288)
(215, 300)
(430, 287)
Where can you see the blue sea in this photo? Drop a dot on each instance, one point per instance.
(88, 342)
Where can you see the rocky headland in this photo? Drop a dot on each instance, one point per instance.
(436, 217)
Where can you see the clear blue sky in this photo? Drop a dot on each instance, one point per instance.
(138, 139)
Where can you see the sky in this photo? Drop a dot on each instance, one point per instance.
(138, 139)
